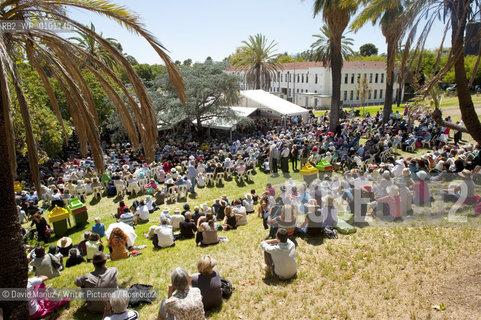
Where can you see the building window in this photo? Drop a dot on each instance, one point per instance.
(352, 78)
(307, 78)
(345, 95)
(382, 77)
(375, 94)
(358, 78)
(376, 79)
(302, 78)
(380, 94)
(352, 95)
(298, 78)
(370, 78)
(297, 91)
(289, 92)
(315, 79)
(346, 78)
(370, 94)
(357, 95)
(281, 77)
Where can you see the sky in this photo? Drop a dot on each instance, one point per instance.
(197, 29)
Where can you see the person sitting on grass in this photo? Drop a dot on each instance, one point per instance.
(117, 244)
(74, 258)
(163, 236)
(98, 228)
(151, 206)
(119, 301)
(142, 213)
(280, 256)
(176, 219)
(44, 264)
(93, 245)
(230, 220)
(127, 217)
(208, 281)
(120, 210)
(206, 230)
(38, 307)
(183, 301)
(187, 227)
(101, 277)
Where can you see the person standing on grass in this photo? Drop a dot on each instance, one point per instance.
(280, 256)
(191, 175)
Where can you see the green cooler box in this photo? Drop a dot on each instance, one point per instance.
(58, 218)
(79, 212)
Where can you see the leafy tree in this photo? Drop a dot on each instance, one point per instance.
(368, 49)
(187, 62)
(209, 91)
(337, 18)
(53, 56)
(321, 48)
(257, 57)
(457, 13)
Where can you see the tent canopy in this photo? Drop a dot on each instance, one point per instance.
(226, 124)
(266, 101)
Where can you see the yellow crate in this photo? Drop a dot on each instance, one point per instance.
(17, 186)
(308, 170)
(58, 214)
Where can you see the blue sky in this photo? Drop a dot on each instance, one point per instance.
(197, 29)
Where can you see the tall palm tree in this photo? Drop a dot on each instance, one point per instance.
(321, 48)
(393, 25)
(92, 46)
(337, 18)
(257, 57)
(54, 56)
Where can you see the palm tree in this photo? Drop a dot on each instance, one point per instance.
(321, 48)
(393, 24)
(89, 44)
(337, 19)
(257, 57)
(55, 57)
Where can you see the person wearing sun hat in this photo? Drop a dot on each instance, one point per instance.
(176, 219)
(100, 278)
(393, 202)
(64, 244)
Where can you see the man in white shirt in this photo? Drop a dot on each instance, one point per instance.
(280, 255)
(176, 219)
(142, 213)
(163, 235)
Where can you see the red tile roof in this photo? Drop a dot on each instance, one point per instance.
(348, 65)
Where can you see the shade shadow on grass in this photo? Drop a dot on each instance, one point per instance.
(212, 312)
(315, 241)
(83, 314)
(273, 280)
(94, 201)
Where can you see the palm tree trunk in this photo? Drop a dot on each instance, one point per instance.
(258, 78)
(13, 264)
(468, 112)
(391, 59)
(200, 135)
(336, 66)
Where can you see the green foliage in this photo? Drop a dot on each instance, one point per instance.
(46, 128)
(209, 90)
(300, 57)
(368, 50)
(321, 48)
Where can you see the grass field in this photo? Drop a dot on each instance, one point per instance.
(397, 272)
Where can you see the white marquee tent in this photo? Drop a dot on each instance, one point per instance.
(266, 101)
(226, 124)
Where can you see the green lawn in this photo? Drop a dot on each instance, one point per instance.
(395, 267)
